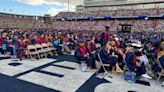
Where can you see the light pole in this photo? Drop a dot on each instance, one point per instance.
(68, 5)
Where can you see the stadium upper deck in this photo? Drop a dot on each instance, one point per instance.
(107, 5)
(117, 2)
(143, 16)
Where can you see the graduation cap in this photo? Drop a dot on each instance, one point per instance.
(88, 39)
(81, 40)
(115, 35)
(137, 45)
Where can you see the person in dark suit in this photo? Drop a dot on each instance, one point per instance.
(160, 58)
(107, 58)
(104, 37)
(91, 52)
(93, 44)
(133, 64)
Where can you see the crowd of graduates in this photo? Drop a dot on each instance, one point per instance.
(14, 42)
(140, 51)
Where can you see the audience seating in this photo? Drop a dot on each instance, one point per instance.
(40, 50)
(51, 47)
(32, 51)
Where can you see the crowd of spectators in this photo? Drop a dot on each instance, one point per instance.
(155, 25)
(117, 13)
(9, 22)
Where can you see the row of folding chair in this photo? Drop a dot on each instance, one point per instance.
(40, 50)
(125, 68)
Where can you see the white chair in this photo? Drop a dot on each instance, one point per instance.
(31, 51)
(40, 50)
(52, 48)
(46, 49)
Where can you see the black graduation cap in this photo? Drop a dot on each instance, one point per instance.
(105, 43)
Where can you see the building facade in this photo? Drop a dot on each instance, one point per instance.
(108, 5)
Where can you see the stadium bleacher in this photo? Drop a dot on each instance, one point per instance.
(120, 12)
(23, 22)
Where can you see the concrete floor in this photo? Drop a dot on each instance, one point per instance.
(62, 74)
(120, 85)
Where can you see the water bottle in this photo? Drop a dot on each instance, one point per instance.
(133, 77)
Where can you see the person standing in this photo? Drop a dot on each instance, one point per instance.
(104, 37)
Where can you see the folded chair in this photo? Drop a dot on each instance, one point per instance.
(46, 49)
(160, 73)
(52, 48)
(31, 50)
(125, 68)
(40, 50)
(103, 66)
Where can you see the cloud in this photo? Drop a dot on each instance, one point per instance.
(53, 10)
(32, 2)
(51, 2)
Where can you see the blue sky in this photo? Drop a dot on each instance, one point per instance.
(36, 7)
(41, 7)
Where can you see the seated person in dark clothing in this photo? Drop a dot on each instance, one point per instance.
(160, 57)
(161, 60)
(57, 45)
(107, 58)
(91, 52)
(93, 44)
(82, 55)
(132, 63)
